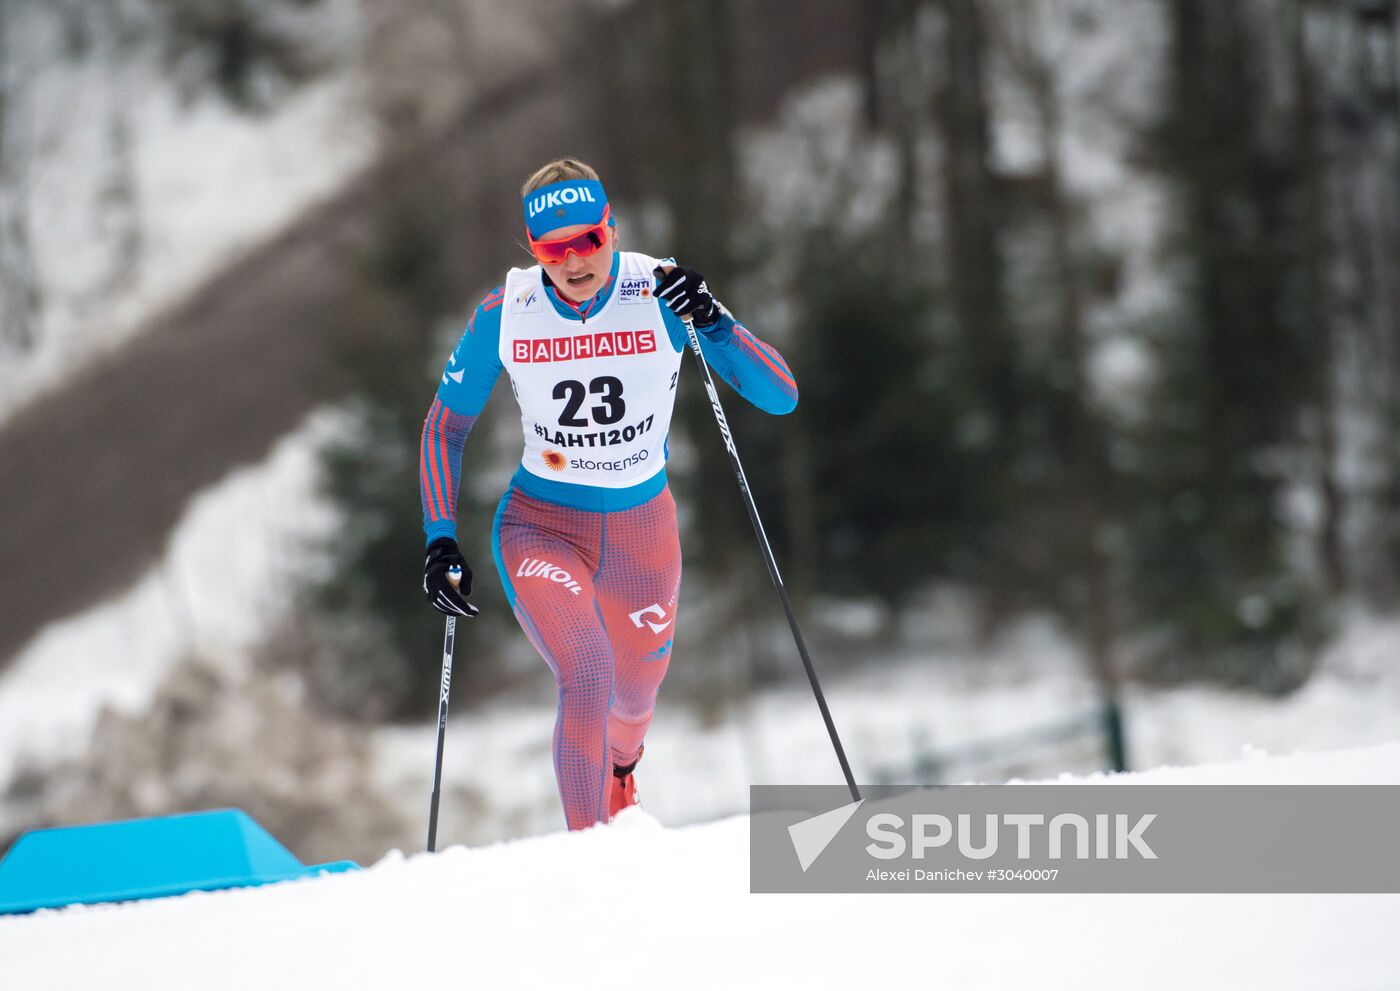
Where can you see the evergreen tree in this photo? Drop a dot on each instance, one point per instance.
(1234, 371)
(381, 643)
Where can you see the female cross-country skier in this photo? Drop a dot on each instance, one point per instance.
(585, 536)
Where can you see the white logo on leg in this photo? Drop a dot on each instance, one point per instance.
(535, 568)
(652, 610)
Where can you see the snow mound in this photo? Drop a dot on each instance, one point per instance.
(638, 904)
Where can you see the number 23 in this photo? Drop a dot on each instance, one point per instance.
(607, 386)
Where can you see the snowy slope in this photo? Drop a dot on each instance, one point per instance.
(133, 180)
(116, 653)
(129, 177)
(638, 905)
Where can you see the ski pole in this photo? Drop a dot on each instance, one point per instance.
(448, 642)
(768, 554)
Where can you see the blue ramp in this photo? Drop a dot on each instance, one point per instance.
(145, 858)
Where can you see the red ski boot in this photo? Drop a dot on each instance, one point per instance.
(622, 789)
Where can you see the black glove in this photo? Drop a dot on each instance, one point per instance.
(685, 292)
(443, 557)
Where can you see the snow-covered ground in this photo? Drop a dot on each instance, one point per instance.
(636, 904)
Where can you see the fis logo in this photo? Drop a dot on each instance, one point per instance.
(535, 568)
(633, 290)
(527, 300)
(558, 197)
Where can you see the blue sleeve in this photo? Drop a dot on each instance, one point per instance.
(475, 364)
(466, 384)
(753, 368)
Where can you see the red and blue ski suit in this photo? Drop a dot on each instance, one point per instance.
(592, 571)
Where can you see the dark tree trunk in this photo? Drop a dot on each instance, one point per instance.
(970, 189)
(1317, 250)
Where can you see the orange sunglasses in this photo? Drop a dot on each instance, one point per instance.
(584, 243)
